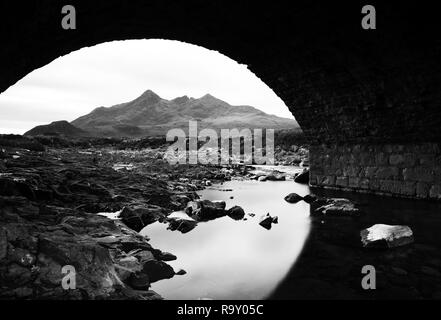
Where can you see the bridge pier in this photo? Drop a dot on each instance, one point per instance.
(406, 170)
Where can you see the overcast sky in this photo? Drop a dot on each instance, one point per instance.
(120, 71)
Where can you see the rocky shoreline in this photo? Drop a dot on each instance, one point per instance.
(57, 208)
(50, 205)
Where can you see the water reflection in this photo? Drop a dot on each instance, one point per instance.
(227, 259)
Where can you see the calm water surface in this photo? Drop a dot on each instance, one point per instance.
(228, 259)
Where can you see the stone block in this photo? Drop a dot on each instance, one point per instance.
(387, 173)
(435, 192)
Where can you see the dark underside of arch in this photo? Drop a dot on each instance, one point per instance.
(368, 100)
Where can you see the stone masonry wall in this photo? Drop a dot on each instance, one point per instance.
(406, 170)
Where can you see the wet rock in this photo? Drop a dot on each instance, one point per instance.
(144, 256)
(16, 187)
(137, 217)
(205, 210)
(266, 221)
(293, 198)
(158, 270)
(166, 256)
(310, 198)
(182, 225)
(302, 177)
(236, 213)
(382, 235)
(338, 207)
(181, 272)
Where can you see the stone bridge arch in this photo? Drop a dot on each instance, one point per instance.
(367, 99)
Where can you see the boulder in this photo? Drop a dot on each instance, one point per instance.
(127, 266)
(293, 198)
(137, 217)
(205, 210)
(382, 235)
(182, 225)
(266, 221)
(181, 272)
(302, 177)
(236, 213)
(338, 207)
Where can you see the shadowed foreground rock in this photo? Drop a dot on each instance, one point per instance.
(49, 205)
(302, 177)
(293, 198)
(205, 210)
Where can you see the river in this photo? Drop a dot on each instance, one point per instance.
(228, 259)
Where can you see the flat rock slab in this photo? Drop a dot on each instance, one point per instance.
(383, 235)
(302, 177)
(338, 207)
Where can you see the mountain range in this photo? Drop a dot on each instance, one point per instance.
(150, 115)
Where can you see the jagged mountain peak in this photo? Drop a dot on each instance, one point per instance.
(149, 114)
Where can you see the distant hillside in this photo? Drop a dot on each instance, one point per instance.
(57, 128)
(149, 114)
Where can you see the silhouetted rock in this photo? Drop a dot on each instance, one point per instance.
(293, 198)
(181, 272)
(266, 221)
(236, 212)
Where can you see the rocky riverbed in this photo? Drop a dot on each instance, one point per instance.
(51, 215)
